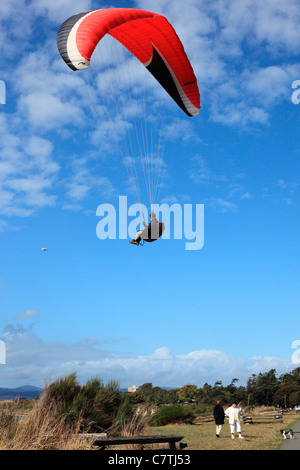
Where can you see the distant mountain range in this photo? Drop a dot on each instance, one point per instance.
(27, 391)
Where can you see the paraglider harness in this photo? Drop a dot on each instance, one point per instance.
(161, 228)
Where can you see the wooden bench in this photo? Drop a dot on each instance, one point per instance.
(102, 441)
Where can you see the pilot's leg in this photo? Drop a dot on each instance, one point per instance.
(137, 238)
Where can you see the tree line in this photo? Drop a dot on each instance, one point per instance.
(263, 389)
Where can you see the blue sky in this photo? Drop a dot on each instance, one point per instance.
(160, 313)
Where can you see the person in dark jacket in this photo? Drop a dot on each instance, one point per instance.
(150, 231)
(219, 416)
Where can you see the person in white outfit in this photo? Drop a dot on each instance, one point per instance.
(234, 414)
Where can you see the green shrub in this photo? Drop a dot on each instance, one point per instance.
(203, 408)
(94, 404)
(172, 414)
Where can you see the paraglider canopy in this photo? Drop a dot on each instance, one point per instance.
(44, 249)
(153, 41)
(149, 36)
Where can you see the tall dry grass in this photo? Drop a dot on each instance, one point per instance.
(66, 409)
(138, 421)
(41, 429)
(134, 423)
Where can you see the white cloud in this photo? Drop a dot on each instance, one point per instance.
(238, 113)
(27, 314)
(271, 24)
(82, 180)
(27, 170)
(201, 173)
(47, 111)
(60, 10)
(15, 26)
(289, 186)
(33, 360)
(221, 204)
(180, 129)
(229, 43)
(270, 85)
(246, 196)
(232, 191)
(174, 199)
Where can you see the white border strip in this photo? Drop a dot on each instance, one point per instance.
(75, 57)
